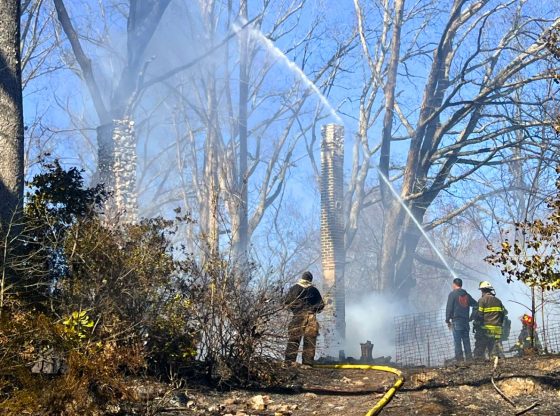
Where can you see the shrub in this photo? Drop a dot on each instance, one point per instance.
(90, 294)
(96, 303)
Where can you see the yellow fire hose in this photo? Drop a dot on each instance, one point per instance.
(375, 410)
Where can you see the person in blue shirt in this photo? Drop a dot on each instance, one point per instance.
(457, 315)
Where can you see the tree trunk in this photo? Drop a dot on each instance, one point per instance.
(392, 223)
(404, 265)
(210, 212)
(400, 241)
(241, 234)
(11, 112)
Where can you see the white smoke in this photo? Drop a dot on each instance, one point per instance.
(371, 317)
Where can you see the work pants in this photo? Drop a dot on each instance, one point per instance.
(303, 325)
(484, 343)
(462, 340)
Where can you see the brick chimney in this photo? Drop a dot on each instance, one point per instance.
(332, 237)
(124, 167)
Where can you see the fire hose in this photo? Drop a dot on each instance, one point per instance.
(375, 410)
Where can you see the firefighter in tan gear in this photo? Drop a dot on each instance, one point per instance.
(305, 302)
(488, 319)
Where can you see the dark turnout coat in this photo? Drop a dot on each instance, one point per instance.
(305, 301)
(490, 315)
(304, 297)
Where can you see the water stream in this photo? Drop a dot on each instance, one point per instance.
(291, 65)
(297, 71)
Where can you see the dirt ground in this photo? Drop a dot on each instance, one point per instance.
(453, 390)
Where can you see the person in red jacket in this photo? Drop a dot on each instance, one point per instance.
(305, 302)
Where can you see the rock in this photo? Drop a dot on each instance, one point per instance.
(466, 388)
(231, 401)
(282, 410)
(517, 386)
(310, 395)
(259, 402)
(473, 407)
(365, 378)
(113, 409)
(345, 380)
(50, 362)
(359, 383)
(424, 377)
(147, 392)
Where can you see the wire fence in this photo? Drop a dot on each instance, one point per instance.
(423, 339)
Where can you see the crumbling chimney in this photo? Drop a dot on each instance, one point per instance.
(367, 352)
(332, 236)
(124, 202)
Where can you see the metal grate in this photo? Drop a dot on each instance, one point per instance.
(552, 338)
(423, 339)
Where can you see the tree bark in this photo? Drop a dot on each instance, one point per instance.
(241, 235)
(400, 240)
(210, 212)
(392, 224)
(11, 113)
(389, 92)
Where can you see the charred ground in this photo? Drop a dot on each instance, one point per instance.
(452, 390)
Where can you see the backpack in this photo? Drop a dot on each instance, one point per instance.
(506, 328)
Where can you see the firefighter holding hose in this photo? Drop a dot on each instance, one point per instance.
(305, 302)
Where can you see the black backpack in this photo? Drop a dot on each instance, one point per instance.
(506, 329)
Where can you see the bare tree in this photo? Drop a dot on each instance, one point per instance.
(459, 128)
(234, 117)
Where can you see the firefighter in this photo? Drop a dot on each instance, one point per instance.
(457, 314)
(488, 320)
(305, 302)
(524, 345)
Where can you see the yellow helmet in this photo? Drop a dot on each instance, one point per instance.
(485, 285)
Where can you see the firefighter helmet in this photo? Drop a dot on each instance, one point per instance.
(485, 285)
(528, 320)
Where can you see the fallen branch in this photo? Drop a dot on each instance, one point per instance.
(507, 399)
(501, 393)
(527, 409)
